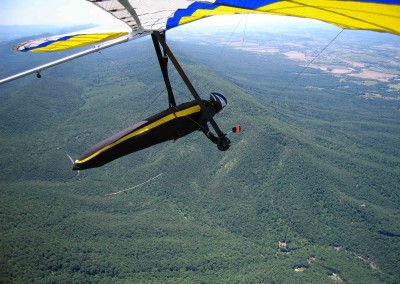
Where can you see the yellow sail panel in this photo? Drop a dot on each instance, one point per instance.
(345, 14)
(57, 43)
(381, 16)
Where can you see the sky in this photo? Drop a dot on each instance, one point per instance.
(53, 12)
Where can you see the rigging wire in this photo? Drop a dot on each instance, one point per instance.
(308, 64)
(108, 58)
(244, 31)
(143, 183)
(233, 32)
(152, 102)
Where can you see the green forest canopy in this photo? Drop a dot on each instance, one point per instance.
(309, 191)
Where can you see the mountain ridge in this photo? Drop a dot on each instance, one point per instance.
(303, 187)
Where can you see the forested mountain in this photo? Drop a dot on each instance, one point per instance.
(308, 193)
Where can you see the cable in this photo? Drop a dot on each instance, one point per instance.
(149, 180)
(308, 65)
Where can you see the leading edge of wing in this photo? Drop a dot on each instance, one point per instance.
(64, 42)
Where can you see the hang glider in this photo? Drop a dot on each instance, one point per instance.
(154, 17)
(145, 17)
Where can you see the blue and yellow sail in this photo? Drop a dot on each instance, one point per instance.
(64, 42)
(380, 16)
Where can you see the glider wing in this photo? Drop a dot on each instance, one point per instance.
(143, 17)
(63, 42)
(381, 16)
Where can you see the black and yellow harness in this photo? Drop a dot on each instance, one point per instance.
(170, 124)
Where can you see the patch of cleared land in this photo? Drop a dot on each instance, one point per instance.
(366, 74)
